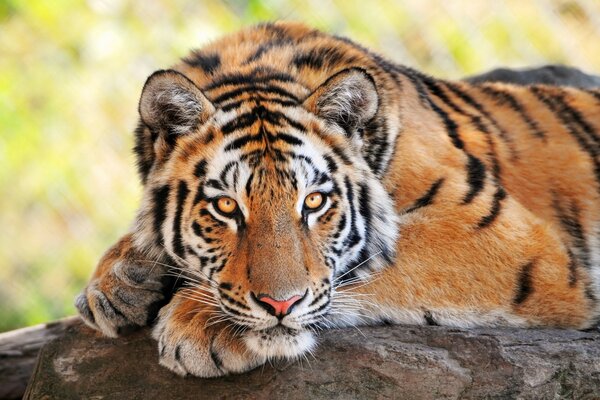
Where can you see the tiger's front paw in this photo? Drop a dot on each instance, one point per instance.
(126, 290)
(194, 339)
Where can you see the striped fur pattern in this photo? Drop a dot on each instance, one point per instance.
(445, 203)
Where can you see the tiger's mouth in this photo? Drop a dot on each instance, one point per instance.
(279, 330)
(280, 342)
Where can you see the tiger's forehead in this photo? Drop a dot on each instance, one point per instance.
(254, 146)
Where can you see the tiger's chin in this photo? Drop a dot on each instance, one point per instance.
(280, 342)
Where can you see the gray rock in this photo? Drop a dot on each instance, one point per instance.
(391, 362)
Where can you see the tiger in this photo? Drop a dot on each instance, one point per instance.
(295, 181)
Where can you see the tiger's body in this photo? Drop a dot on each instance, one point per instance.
(442, 202)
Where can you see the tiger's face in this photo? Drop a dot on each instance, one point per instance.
(272, 206)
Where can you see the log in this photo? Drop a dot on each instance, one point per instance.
(18, 352)
(400, 362)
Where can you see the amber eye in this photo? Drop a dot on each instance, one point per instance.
(313, 200)
(226, 205)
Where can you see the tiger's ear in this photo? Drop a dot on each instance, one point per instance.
(348, 99)
(172, 104)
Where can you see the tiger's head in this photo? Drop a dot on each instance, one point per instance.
(266, 196)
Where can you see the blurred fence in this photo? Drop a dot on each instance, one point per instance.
(71, 72)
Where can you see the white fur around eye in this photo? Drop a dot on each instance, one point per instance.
(229, 221)
(312, 216)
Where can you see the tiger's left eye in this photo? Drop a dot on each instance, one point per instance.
(226, 205)
(314, 200)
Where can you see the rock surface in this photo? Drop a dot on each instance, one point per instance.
(390, 362)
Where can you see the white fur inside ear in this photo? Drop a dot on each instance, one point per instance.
(180, 108)
(173, 104)
(349, 99)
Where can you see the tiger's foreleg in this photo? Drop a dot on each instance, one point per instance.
(126, 289)
(195, 337)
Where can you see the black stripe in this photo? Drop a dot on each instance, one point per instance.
(200, 233)
(353, 237)
(341, 154)
(525, 284)
(341, 226)
(364, 199)
(464, 96)
(209, 63)
(434, 87)
(242, 141)
(379, 147)
(226, 169)
(318, 298)
(570, 220)
(417, 84)
(233, 301)
(248, 79)
(200, 195)
(575, 124)
(160, 200)
(331, 165)
(322, 58)
(210, 135)
(205, 213)
(257, 97)
(249, 184)
(313, 313)
(502, 97)
(570, 116)
(289, 139)
(200, 168)
(572, 266)
(233, 311)
(214, 184)
(429, 319)
(108, 307)
(178, 354)
(451, 126)
(266, 47)
(428, 197)
(182, 193)
(589, 293)
(236, 175)
(214, 356)
(475, 178)
(255, 88)
(275, 118)
(495, 211)
(240, 122)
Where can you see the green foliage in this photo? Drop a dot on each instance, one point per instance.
(71, 72)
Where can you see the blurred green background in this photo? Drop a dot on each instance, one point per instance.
(71, 72)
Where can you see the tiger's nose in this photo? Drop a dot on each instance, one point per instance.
(278, 308)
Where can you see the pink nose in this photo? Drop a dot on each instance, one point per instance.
(278, 308)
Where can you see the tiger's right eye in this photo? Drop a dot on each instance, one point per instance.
(313, 200)
(226, 205)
